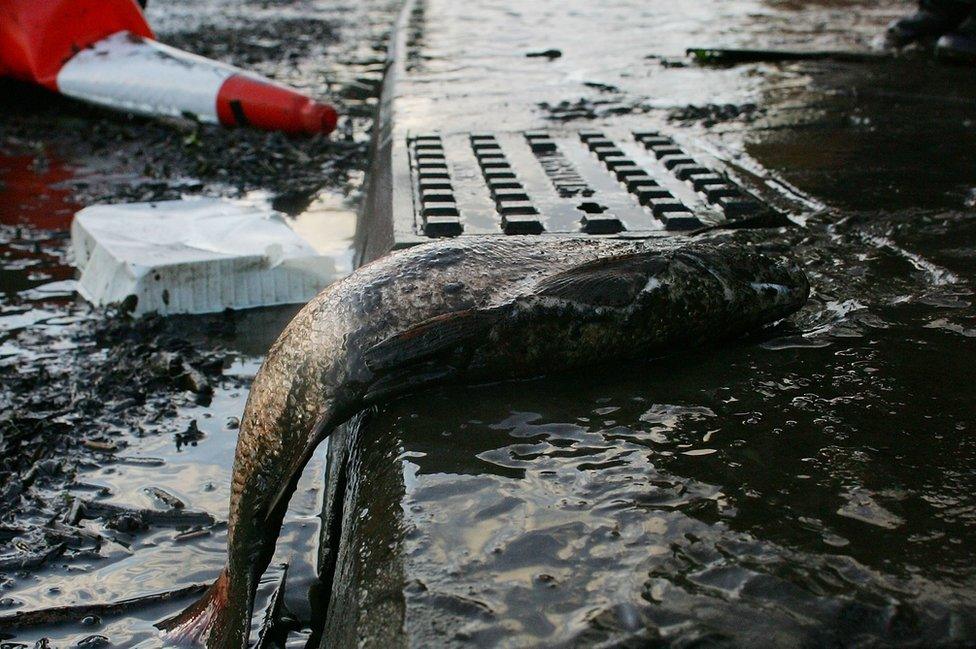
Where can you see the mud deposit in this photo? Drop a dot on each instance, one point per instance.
(117, 436)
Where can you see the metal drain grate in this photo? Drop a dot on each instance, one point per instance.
(598, 183)
(435, 193)
(671, 212)
(519, 215)
(717, 189)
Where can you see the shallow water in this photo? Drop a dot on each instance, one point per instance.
(812, 487)
(43, 181)
(808, 487)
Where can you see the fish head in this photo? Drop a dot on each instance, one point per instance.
(708, 289)
(647, 300)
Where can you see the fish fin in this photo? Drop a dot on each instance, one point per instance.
(205, 617)
(429, 338)
(406, 379)
(611, 281)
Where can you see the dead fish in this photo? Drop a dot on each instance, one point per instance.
(470, 309)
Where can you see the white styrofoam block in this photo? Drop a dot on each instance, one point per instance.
(199, 255)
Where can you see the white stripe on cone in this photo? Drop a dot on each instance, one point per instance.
(142, 76)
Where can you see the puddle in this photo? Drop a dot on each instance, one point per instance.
(329, 225)
(35, 213)
(696, 491)
(79, 386)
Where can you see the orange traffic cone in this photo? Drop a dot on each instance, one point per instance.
(103, 52)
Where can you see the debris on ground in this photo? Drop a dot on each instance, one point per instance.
(712, 114)
(85, 392)
(197, 255)
(116, 379)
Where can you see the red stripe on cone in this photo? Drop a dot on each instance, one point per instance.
(245, 101)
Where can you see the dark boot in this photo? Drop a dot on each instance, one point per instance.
(933, 19)
(959, 45)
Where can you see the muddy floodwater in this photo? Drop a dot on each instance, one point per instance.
(811, 486)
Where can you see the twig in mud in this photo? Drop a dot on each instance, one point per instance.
(729, 56)
(149, 516)
(639, 638)
(273, 612)
(103, 447)
(60, 614)
(8, 533)
(75, 513)
(141, 461)
(73, 536)
(189, 535)
(28, 560)
(87, 486)
(165, 497)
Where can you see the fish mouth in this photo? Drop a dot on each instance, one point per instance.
(782, 283)
(772, 285)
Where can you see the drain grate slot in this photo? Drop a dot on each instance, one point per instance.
(434, 190)
(718, 190)
(561, 172)
(597, 220)
(674, 214)
(519, 215)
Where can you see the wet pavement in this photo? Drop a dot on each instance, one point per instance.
(811, 488)
(808, 487)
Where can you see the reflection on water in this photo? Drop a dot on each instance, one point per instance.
(809, 487)
(160, 560)
(34, 193)
(885, 136)
(329, 226)
(815, 488)
(35, 211)
(38, 317)
(37, 313)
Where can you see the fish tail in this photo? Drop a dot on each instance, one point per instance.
(205, 618)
